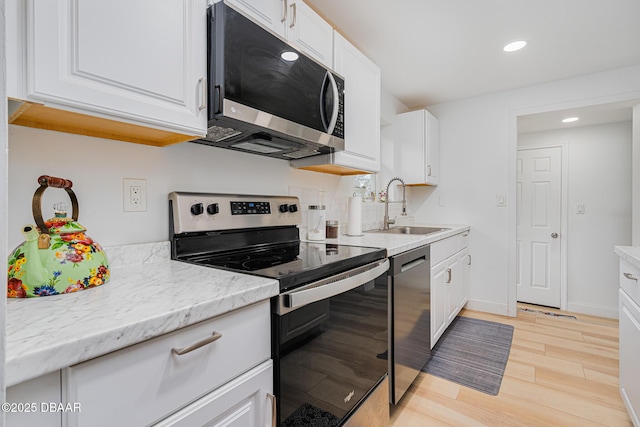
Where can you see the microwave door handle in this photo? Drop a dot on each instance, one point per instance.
(336, 104)
(323, 94)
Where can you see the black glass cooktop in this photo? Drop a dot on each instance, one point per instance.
(293, 263)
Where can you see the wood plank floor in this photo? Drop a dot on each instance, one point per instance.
(561, 372)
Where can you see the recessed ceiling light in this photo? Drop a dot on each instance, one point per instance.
(570, 119)
(289, 55)
(513, 46)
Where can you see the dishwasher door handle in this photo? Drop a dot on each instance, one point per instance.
(330, 287)
(412, 264)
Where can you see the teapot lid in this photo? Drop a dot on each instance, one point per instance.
(61, 223)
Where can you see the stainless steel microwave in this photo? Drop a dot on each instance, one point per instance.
(266, 97)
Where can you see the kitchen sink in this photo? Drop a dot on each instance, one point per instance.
(413, 230)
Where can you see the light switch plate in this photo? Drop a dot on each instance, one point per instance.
(134, 195)
(580, 208)
(501, 200)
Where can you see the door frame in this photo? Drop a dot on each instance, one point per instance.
(564, 214)
(512, 148)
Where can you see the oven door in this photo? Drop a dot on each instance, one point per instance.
(330, 342)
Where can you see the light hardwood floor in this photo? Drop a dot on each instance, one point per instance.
(560, 372)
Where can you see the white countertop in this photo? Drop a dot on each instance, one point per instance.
(148, 295)
(397, 243)
(631, 254)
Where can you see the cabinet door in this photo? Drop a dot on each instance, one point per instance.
(465, 272)
(452, 283)
(416, 134)
(309, 32)
(438, 315)
(140, 62)
(242, 402)
(362, 107)
(629, 351)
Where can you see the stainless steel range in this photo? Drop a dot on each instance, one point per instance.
(329, 323)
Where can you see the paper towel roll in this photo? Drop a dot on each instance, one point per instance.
(354, 225)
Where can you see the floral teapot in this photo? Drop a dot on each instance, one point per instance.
(57, 257)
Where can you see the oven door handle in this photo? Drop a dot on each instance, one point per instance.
(319, 291)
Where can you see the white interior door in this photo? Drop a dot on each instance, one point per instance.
(539, 205)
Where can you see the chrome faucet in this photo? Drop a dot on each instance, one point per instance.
(387, 221)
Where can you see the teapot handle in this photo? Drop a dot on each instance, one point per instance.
(46, 181)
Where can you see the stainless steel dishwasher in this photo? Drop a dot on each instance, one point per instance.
(409, 341)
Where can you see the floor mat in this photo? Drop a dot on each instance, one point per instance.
(472, 353)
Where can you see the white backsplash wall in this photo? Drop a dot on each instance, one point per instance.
(98, 166)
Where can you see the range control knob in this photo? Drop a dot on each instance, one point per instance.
(197, 209)
(293, 208)
(283, 208)
(213, 209)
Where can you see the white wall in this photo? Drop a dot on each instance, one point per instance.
(478, 138)
(599, 176)
(97, 167)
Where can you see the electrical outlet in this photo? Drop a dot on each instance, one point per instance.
(134, 195)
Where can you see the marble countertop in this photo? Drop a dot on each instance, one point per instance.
(631, 254)
(398, 243)
(148, 295)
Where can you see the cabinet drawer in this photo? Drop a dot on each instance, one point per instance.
(629, 277)
(443, 249)
(242, 402)
(148, 381)
(464, 239)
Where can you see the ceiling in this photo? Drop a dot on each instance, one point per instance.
(588, 116)
(434, 51)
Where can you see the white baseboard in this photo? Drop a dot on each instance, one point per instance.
(593, 309)
(488, 307)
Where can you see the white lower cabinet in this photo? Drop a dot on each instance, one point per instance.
(438, 315)
(244, 402)
(450, 262)
(29, 402)
(144, 383)
(217, 372)
(630, 339)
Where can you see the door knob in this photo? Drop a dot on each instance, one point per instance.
(554, 235)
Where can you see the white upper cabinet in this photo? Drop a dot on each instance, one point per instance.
(294, 21)
(140, 62)
(416, 141)
(307, 30)
(361, 107)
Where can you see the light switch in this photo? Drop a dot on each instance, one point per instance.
(501, 200)
(580, 208)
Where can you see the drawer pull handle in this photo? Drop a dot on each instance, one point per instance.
(274, 407)
(630, 276)
(180, 351)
